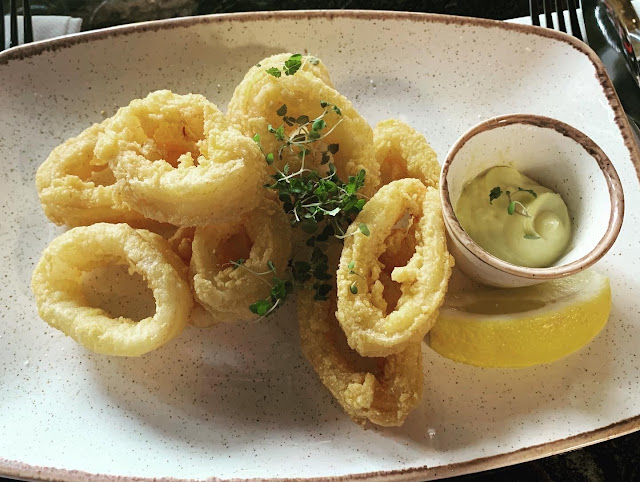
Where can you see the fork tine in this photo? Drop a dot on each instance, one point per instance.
(547, 14)
(26, 18)
(573, 18)
(534, 12)
(1, 27)
(560, 11)
(13, 23)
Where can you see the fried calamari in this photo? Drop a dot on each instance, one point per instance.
(286, 65)
(180, 161)
(57, 285)
(232, 264)
(404, 217)
(402, 152)
(181, 241)
(380, 390)
(176, 165)
(257, 108)
(76, 189)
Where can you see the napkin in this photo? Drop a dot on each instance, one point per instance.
(45, 27)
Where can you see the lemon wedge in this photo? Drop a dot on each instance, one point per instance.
(519, 327)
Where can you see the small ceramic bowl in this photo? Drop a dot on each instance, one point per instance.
(556, 156)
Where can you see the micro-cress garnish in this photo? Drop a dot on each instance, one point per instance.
(280, 288)
(496, 192)
(290, 67)
(354, 287)
(321, 204)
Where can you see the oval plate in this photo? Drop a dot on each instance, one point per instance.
(241, 401)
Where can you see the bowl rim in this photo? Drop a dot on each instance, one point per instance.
(616, 196)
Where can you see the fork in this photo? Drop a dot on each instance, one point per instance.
(13, 23)
(557, 6)
(548, 7)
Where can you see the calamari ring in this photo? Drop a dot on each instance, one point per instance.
(255, 102)
(381, 390)
(181, 241)
(57, 286)
(403, 152)
(423, 280)
(76, 189)
(310, 64)
(181, 161)
(225, 290)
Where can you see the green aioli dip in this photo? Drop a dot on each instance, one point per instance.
(537, 232)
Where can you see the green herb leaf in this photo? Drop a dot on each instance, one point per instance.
(322, 290)
(271, 266)
(494, 194)
(351, 264)
(320, 204)
(353, 288)
(269, 157)
(318, 124)
(333, 212)
(530, 191)
(256, 138)
(278, 291)
(309, 225)
(279, 133)
(238, 262)
(261, 307)
(275, 71)
(300, 271)
(292, 65)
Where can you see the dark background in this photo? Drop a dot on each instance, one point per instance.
(105, 13)
(615, 460)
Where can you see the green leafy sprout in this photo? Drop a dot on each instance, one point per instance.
(514, 207)
(320, 204)
(496, 192)
(280, 289)
(291, 66)
(354, 287)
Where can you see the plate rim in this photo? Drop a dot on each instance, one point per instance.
(14, 468)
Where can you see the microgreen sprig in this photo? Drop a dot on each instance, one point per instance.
(280, 289)
(354, 287)
(290, 67)
(302, 140)
(496, 192)
(321, 205)
(514, 206)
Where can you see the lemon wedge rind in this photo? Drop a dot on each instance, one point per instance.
(571, 312)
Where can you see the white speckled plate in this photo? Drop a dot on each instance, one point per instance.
(241, 401)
